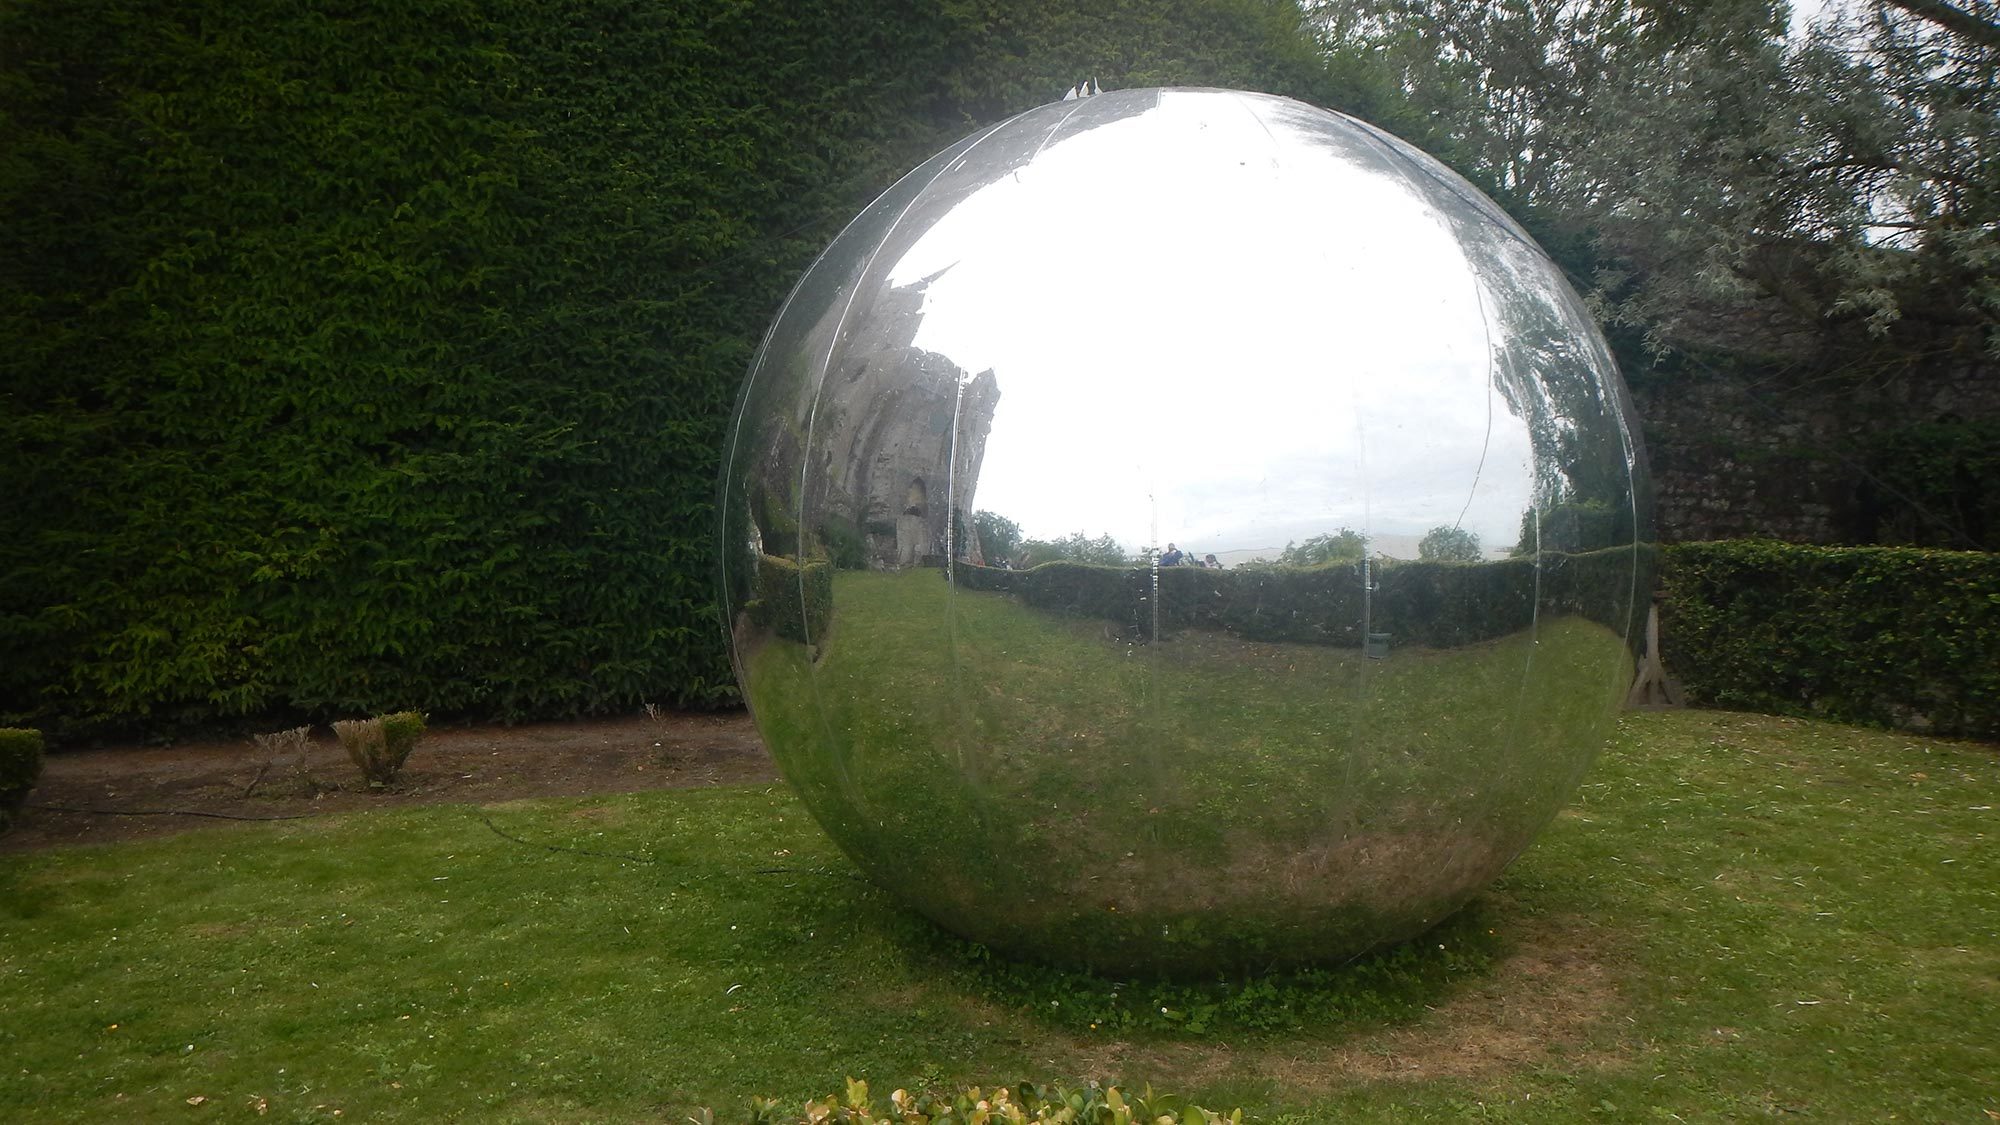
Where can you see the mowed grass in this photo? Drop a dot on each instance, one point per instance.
(1739, 917)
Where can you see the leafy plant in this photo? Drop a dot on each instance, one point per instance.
(1023, 1104)
(379, 746)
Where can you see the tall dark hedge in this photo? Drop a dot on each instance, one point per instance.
(1890, 636)
(371, 355)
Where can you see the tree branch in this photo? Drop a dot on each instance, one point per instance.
(1955, 19)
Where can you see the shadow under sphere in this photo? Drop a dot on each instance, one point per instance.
(1178, 531)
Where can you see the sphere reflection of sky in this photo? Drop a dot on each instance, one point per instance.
(1147, 292)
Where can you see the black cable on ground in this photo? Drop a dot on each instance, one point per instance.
(160, 812)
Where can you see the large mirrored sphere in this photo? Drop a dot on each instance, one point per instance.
(1179, 531)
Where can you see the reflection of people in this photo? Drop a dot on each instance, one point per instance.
(1173, 556)
(1210, 563)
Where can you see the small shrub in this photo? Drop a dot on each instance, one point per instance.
(793, 599)
(284, 743)
(20, 768)
(288, 747)
(845, 547)
(379, 746)
(1003, 1105)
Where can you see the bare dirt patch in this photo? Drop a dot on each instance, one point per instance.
(1541, 1005)
(114, 793)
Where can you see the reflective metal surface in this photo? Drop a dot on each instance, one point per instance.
(1023, 394)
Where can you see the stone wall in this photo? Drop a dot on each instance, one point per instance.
(1737, 455)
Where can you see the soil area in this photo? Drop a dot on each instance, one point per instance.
(115, 793)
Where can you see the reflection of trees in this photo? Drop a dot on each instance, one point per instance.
(1075, 547)
(1448, 544)
(1554, 373)
(999, 537)
(1343, 545)
(1584, 525)
(1549, 366)
(1555, 376)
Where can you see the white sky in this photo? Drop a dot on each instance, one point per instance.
(1228, 352)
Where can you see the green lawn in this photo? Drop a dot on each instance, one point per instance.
(1740, 917)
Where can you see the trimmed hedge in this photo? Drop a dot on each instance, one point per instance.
(377, 354)
(20, 768)
(1887, 636)
(1439, 604)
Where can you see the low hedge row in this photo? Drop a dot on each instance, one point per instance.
(20, 768)
(792, 599)
(1888, 636)
(1440, 604)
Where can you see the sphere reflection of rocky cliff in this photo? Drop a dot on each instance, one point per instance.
(1180, 530)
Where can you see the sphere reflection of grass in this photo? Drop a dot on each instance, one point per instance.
(1198, 803)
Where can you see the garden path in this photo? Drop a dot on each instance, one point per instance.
(133, 791)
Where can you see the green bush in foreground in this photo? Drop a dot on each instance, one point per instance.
(20, 768)
(1017, 1105)
(1889, 636)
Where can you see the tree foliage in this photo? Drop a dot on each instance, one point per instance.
(1714, 178)
(1344, 545)
(1449, 544)
(999, 537)
(1076, 547)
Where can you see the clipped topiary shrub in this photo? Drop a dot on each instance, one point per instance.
(1003, 1105)
(1887, 636)
(400, 733)
(20, 768)
(793, 600)
(379, 746)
